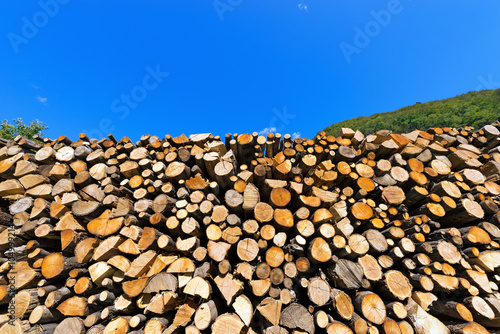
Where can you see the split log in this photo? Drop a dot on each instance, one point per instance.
(423, 322)
(205, 315)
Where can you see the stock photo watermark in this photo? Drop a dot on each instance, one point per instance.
(223, 6)
(31, 26)
(487, 83)
(11, 257)
(128, 101)
(279, 122)
(364, 36)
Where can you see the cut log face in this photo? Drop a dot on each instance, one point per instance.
(362, 211)
(198, 287)
(205, 315)
(248, 249)
(371, 268)
(384, 233)
(227, 323)
(320, 250)
(371, 306)
(275, 256)
(229, 287)
(52, 265)
(103, 226)
(270, 309)
(398, 284)
(118, 325)
(263, 212)
(318, 291)
(393, 195)
(280, 197)
(243, 307)
(74, 306)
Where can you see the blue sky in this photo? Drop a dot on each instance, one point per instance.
(158, 67)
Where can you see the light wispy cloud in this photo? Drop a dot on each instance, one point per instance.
(303, 6)
(296, 134)
(41, 99)
(267, 130)
(35, 86)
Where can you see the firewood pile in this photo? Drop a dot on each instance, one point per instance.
(384, 233)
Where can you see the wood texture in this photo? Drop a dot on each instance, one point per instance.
(383, 233)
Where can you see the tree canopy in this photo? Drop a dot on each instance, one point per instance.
(18, 127)
(472, 109)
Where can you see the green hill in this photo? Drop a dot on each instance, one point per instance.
(472, 109)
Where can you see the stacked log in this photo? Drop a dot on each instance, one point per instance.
(384, 233)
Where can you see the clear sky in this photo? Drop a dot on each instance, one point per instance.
(158, 67)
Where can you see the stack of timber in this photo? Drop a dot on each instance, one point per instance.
(384, 233)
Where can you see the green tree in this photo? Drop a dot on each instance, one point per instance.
(18, 127)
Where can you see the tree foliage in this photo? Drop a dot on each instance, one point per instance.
(18, 127)
(472, 109)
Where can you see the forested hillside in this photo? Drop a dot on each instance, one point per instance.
(473, 109)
